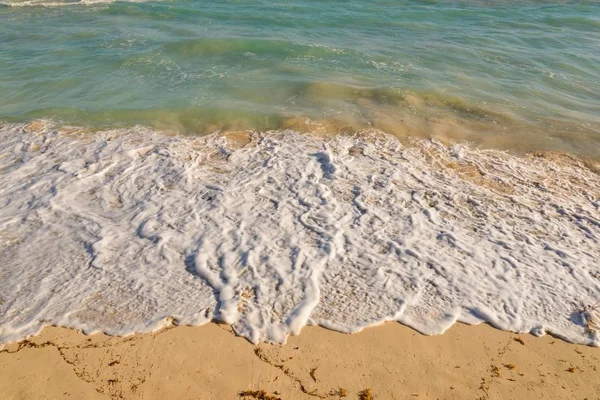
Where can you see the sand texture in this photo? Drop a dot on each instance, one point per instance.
(210, 362)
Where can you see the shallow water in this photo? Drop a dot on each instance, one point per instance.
(118, 230)
(516, 75)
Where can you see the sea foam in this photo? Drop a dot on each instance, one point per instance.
(121, 230)
(45, 3)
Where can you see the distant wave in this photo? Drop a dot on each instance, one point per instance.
(119, 230)
(43, 3)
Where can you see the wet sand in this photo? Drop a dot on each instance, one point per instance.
(210, 362)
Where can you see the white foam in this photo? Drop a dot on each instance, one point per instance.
(45, 3)
(116, 231)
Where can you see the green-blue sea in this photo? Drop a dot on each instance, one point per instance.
(509, 74)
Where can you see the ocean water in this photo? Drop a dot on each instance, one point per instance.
(273, 164)
(505, 74)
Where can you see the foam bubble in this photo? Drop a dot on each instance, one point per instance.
(118, 230)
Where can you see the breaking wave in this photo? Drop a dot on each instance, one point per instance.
(122, 230)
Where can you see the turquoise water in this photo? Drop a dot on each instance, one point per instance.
(499, 73)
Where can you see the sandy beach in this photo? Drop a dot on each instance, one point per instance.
(386, 362)
(227, 199)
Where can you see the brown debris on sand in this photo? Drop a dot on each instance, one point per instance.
(258, 395)
(365, 394)
(519, 340)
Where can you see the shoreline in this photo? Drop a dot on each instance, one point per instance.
(239, 134)
(299, 200)
(272, 232)
(391, 361)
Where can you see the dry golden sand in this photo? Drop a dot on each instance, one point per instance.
(386, 362)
